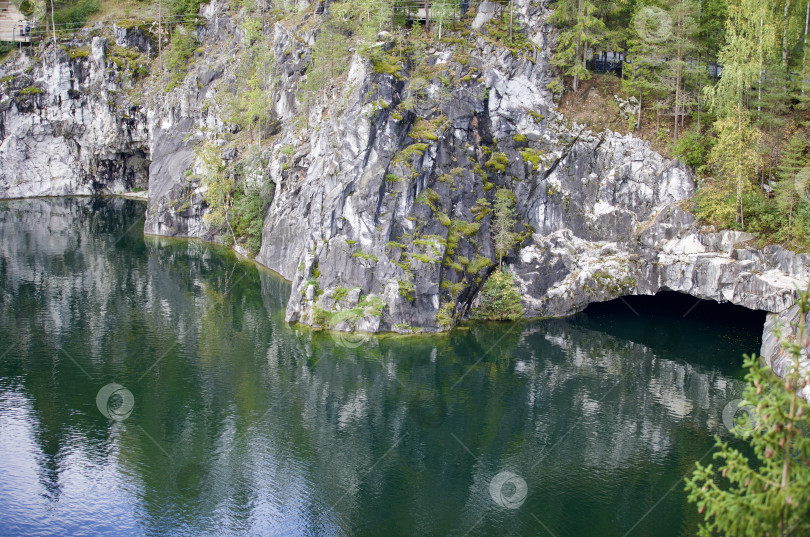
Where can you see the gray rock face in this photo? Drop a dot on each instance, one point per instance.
(486, 10)
(787, 323)
(601, 210)
(64, 130)
(134, 37)
(180, 121)
(184, 118)
(381, 216)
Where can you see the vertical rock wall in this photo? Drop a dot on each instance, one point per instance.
(384, 182)
(67, 126)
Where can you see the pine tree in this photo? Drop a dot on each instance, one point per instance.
(792, 169)
(712, 15)
(681, 48)
(646, 76)
(581, 30)
(771, 494)
(500, 299)
(617, 17)
(503, 225)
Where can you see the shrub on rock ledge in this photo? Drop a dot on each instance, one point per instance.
(500, 300)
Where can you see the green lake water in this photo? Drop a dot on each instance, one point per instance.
(224, 420)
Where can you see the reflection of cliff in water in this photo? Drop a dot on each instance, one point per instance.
(245, 424)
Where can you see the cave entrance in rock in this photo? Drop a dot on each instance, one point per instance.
(680, 326)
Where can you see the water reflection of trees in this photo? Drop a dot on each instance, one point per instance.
(245, 423)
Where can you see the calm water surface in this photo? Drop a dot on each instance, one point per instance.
(243, 425)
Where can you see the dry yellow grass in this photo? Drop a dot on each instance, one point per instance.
(594, 106)
(124, 9)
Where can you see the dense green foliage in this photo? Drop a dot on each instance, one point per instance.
(184, 8)
(503, 223)
(769, 495)
(694, 149)
(219, 187)
(725, 83)
(791, 189)
(500, 299)
(179, 55)
(70, 14)
(234, 205)
(249, 207)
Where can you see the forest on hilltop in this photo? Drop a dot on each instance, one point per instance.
(722, 84)
(725, 83)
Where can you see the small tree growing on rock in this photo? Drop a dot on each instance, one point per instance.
(500, 299)
(219, 185)
(503, 223)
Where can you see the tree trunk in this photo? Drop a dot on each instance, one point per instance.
(585, 42)
(700, 80)
(624, 55)
(761, 38)
(804, 46)
(761, 68)
(677, 92)
(579, 44)
(584, 58)
(785, 36)
(678, 67)
(160, 34)
(741, 218)
(427, 15)
(53, 27)
(790, 213)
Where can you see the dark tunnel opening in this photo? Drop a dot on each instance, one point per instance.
(680, 326)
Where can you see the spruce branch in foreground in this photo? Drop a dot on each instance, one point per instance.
(770, 495)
